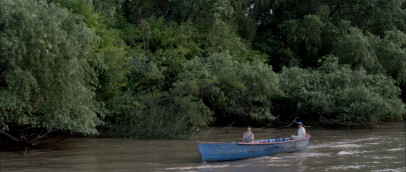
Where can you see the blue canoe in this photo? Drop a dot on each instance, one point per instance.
(216, 151)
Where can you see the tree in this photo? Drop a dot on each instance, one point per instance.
(47, 81)
(241, 92)
(338, 92)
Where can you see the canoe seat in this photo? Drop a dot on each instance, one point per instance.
(273, 140)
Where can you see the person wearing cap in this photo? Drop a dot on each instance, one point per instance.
(301, 133)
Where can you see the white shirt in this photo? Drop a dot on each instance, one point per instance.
(301, 133)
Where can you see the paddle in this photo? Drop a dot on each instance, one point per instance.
(292, 123)
(286, 126)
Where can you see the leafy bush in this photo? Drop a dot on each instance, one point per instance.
(342, 93)
(46, 77)
(234, 91)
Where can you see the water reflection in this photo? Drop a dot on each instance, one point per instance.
(379, 149)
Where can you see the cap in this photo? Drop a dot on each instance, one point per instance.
(299, 123)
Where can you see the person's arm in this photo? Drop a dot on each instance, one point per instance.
(243, 136)
(252, 140)
(304, 133)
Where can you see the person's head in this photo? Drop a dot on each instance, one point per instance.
(249, 128)
(299, 124)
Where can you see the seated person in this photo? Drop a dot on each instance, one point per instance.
(301, 133)
(248, 136)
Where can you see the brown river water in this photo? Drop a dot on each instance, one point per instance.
(378, 149)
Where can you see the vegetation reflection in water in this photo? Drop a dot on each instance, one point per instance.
(377, 149)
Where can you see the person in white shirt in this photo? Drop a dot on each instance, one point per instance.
(301, 133)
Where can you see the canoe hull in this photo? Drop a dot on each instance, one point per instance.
(211, 152)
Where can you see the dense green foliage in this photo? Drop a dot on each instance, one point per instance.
(47, 77)
(163, 69)
(334, 91)
(236, 91)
